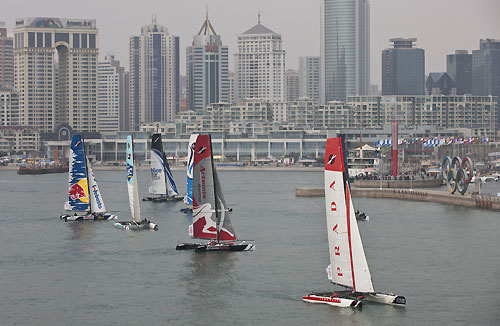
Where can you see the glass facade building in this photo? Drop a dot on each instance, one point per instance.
(345, 49)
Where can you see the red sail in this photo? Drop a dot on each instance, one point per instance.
(334, 158)
(204, 218)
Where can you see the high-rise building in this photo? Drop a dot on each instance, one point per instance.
(291, 85)
(403, 68)
(69, 46)
(154, 76)
(440, 83)
(9, 107)
(207, 69)
(260, 65)
(231, 87)
(459, 66)
(112, 102)
(345, 49)
(6, 58)
(486, 68)
(309, 77)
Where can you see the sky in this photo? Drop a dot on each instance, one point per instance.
(440, 26)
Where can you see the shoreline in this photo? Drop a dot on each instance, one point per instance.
(183, 168)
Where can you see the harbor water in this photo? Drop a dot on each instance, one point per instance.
(444, 259)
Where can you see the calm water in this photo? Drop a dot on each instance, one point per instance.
(444, 259)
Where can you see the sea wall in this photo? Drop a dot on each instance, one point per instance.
(470, 200)
(425, 183)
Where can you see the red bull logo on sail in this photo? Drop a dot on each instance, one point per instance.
(79, 191)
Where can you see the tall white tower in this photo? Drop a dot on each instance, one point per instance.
(154, 76)
(260, 65)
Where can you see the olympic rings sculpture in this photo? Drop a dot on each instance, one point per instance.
(457, 173)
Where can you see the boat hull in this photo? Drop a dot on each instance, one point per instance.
(104, 217)
(332, 299)
(163, 198)
(42, 170)
(133, 226)
(225, 247)
(187, 246)
(386, 298)
(187, 210)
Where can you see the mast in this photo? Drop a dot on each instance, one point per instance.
(87, 173)
(217, 213)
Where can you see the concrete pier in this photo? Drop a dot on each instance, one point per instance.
(470, 200)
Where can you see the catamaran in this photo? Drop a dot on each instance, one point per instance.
(211, 216)
(85, 198)
(138, 223)
(348, 266)
(188, 199)
(163, 186)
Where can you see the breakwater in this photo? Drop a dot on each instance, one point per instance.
(470, 200)
(400, 184)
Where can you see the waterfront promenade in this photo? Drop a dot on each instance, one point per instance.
(424, 195)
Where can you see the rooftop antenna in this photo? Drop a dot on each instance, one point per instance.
(259, 17)
(153, 18)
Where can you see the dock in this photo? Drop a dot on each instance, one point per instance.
(424, 195)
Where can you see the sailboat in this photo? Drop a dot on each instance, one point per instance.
(211, 216)
(348, 266)
(138, 223)
(188, 199)
(162, 181)
(85, 198)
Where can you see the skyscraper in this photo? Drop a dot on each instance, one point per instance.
(345, 49)
(486, 68)
(207, 69)
(291, 85)
(6, 58)
(154, 76)
(111, 101)
(260, 65)
(309, 77)
(69, 46)
(459, 66)
(403, 68)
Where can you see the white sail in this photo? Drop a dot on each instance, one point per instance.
(347, 258)
(96, 201)
(133, 194)
(158, 184)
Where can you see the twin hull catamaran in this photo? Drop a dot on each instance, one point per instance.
(348, 265)
(84, 195)
(138, 223)
(162, 181)
(211, 216)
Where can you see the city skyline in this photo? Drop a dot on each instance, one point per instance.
(298, 39)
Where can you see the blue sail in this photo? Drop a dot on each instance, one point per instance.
(172, 188)
(78, 181)
(189, 194)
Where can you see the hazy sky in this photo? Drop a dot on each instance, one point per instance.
(441, 26)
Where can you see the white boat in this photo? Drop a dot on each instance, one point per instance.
(211, 216)
(348, 266)
(163, 186)
(85, 198)
(188, 199)
(137, 223)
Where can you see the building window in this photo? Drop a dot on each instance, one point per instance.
(62, 37)
(48, 40)
(76, 41)
(84, 41)
(31, 39)
(39, 40)
(92, 44)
